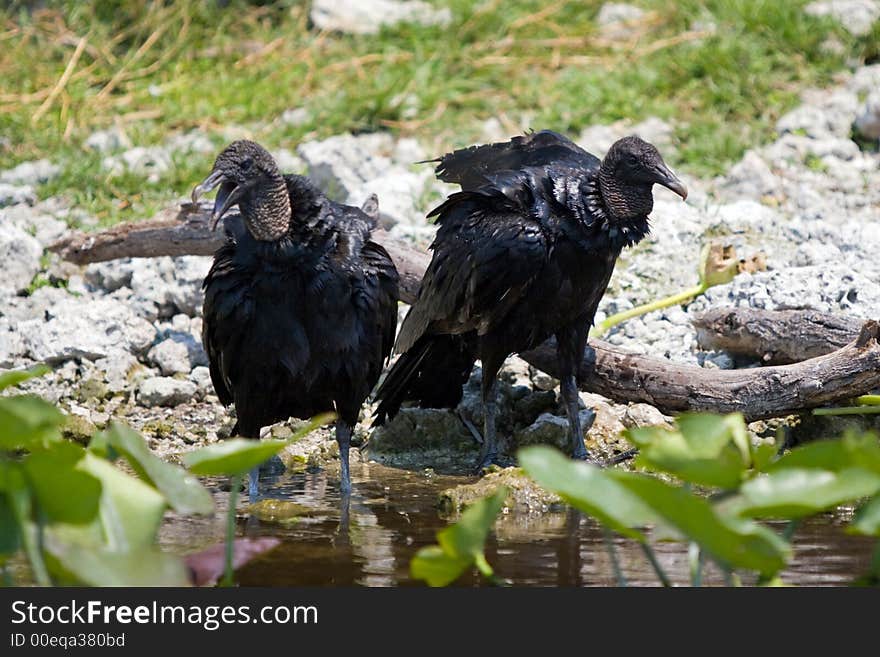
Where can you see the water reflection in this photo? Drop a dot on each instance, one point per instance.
(391, 514)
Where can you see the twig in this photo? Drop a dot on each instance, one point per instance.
(537, 17)
(118, 76)
(247, 60)
(659, 44)
(62, 81)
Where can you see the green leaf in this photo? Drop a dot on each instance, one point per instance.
(763, 456)
(706, 435)
(182, 490)
(14, 377)
(867, 519)
(62, 493)
(467, 537)
(433, 565)
(797, 492)
(588, 488)
(706, 449)
(736, 542)
(232, 457)
(852, 450)
(10, 534)
(101, 567)
(28, 422)
(460, 545)
(130, 510)
(21, 503)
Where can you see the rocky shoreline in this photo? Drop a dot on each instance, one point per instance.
(124, 336)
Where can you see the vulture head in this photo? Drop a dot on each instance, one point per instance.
(248, 176)
(630, 169)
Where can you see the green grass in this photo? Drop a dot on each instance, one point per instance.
(157, 68)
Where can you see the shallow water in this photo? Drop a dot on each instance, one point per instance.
(393, 513)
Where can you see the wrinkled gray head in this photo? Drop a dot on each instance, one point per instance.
(248, 176)
(630, 169)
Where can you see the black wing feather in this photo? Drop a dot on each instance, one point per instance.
(470, 166)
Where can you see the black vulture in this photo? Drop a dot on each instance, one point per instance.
(524, 252)
(300, 306)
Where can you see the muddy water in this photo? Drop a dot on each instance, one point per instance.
(392, 514)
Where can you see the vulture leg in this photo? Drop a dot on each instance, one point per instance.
(343, 437)
(569, 390)
(570, 345)
(489, 390)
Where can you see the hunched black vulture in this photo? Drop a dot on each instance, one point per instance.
(524, 252)
(300, 306)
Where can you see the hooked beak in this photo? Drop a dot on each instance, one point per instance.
(670, 181)
(227, 196)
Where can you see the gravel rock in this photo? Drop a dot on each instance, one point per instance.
(597, 139)
(15, 194)
(194, 141)
(150, 162)
(108, 141)
(752, 178)
(857, 16)
(178, 353)
(89, 329)
(550, 429)
(168, 286)
(823, 114)
(349, 168)
(368, 16)
(826, 288)
(295, 116)
(109, 276)
(35, 221)
(201, 376)
(12, 347)
(20, 254)
(30, 173)
(121, 371)
(617, 20)
(288, 161)
(867, 122)
(165, 391)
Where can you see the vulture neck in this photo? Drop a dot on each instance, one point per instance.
(622, 201)
(267, 211)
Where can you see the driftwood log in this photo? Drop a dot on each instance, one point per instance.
(851, 370)
(777, 337)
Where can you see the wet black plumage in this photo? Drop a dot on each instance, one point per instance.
(300, 306)
(524, 252)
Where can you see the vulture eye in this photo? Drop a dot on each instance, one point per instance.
(246, 164)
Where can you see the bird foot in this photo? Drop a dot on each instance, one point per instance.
(584, 455)
(490, 460)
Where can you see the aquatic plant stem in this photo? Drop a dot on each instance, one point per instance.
(612, 553)
(875, 562)
(30, 536)
(486, 570)
(652, 559)
(695, 558)
(868, 400)
(676, 299)
(235, 488)
(848, 410)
